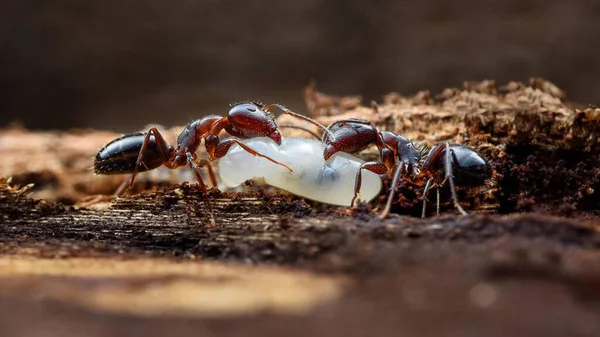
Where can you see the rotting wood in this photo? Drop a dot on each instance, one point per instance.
(454, 262)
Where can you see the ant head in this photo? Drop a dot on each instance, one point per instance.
(407, 152)
(350, 127)
(403, 149)
(350, 135)
(250, 120)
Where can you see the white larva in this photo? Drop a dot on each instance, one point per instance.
(330, 181)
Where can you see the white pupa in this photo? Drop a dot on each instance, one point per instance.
(330, 181)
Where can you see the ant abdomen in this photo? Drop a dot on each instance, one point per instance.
(469, 168)
(120, 155)
(472, 169)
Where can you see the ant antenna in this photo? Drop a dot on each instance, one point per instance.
(328, 134)
(290, 126)
(299, 116)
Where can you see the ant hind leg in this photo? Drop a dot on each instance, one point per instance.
(196, 170)
(450, 178)
(164, 148)
(123, 187)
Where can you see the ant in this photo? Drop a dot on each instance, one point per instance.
(141, 152)
(399, 156)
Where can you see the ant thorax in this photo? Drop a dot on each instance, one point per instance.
(330, 181)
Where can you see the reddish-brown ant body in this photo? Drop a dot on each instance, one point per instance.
(141, 152)
(399, 157)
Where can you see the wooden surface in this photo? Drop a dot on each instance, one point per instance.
(75, 262)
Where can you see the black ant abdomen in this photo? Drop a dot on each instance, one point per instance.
(457, 165)
(121, 155)
(468, 166)
(472, 169)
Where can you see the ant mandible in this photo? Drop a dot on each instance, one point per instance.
(398, 155)
(139, 152)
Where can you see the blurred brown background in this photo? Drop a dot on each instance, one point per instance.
(124, 64)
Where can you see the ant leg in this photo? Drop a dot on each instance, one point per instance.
(164, 148)
(388, 204)
(211, 173)
(373, 166)
(448, 169)
(123, 187)
(196, 170)
(432, 157)
(299, 116)
(437, 204)
(218, 149)
(300, 128)
(424, 196)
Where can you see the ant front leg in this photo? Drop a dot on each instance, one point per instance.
(218, 148)
(373, 166)
(165, 151)
(211, 172)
